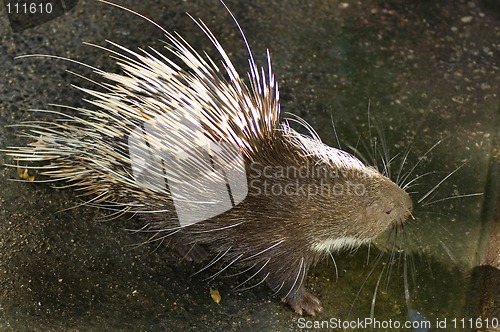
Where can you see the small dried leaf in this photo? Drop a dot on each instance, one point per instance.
(214, 293)
(23, 174)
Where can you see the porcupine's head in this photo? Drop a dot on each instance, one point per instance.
(324, 195)
(173, 106)
(344, 202)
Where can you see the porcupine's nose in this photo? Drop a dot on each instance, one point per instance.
(403, 209)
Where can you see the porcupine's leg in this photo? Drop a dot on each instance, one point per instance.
(302, 299)
(287, 276)
(191, 252)
(188, 249)
(181, 241)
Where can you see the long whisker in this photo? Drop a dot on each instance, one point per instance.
(253, 275)
(296, 278)
(410, 171)
(257, 284)
(335, 131)
(336, 269)
(452, 197)
(409, 183)
(217, 258)
(213, 276)
(440, 182)
(401, 166)
(263, 251)
(372, 307)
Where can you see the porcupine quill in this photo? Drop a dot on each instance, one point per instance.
(159, 127)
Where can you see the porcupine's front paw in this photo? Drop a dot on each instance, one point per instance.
(304, 301)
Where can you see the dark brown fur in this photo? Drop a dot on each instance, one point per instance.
(274, 234)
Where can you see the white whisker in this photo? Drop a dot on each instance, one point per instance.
(263, 251)
(452, 197)
(336, 269)
(296, 278)
(440, 182)
(253, 275)
(213, 276)
(213, 261)
(257, 284)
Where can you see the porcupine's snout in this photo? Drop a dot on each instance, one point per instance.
(391, 207)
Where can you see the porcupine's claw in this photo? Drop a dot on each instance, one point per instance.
(304, 300)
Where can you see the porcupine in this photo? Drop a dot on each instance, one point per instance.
(162, 121)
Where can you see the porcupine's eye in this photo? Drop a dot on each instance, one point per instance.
(380, 211)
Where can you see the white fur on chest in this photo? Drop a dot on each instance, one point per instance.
(337, 244)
